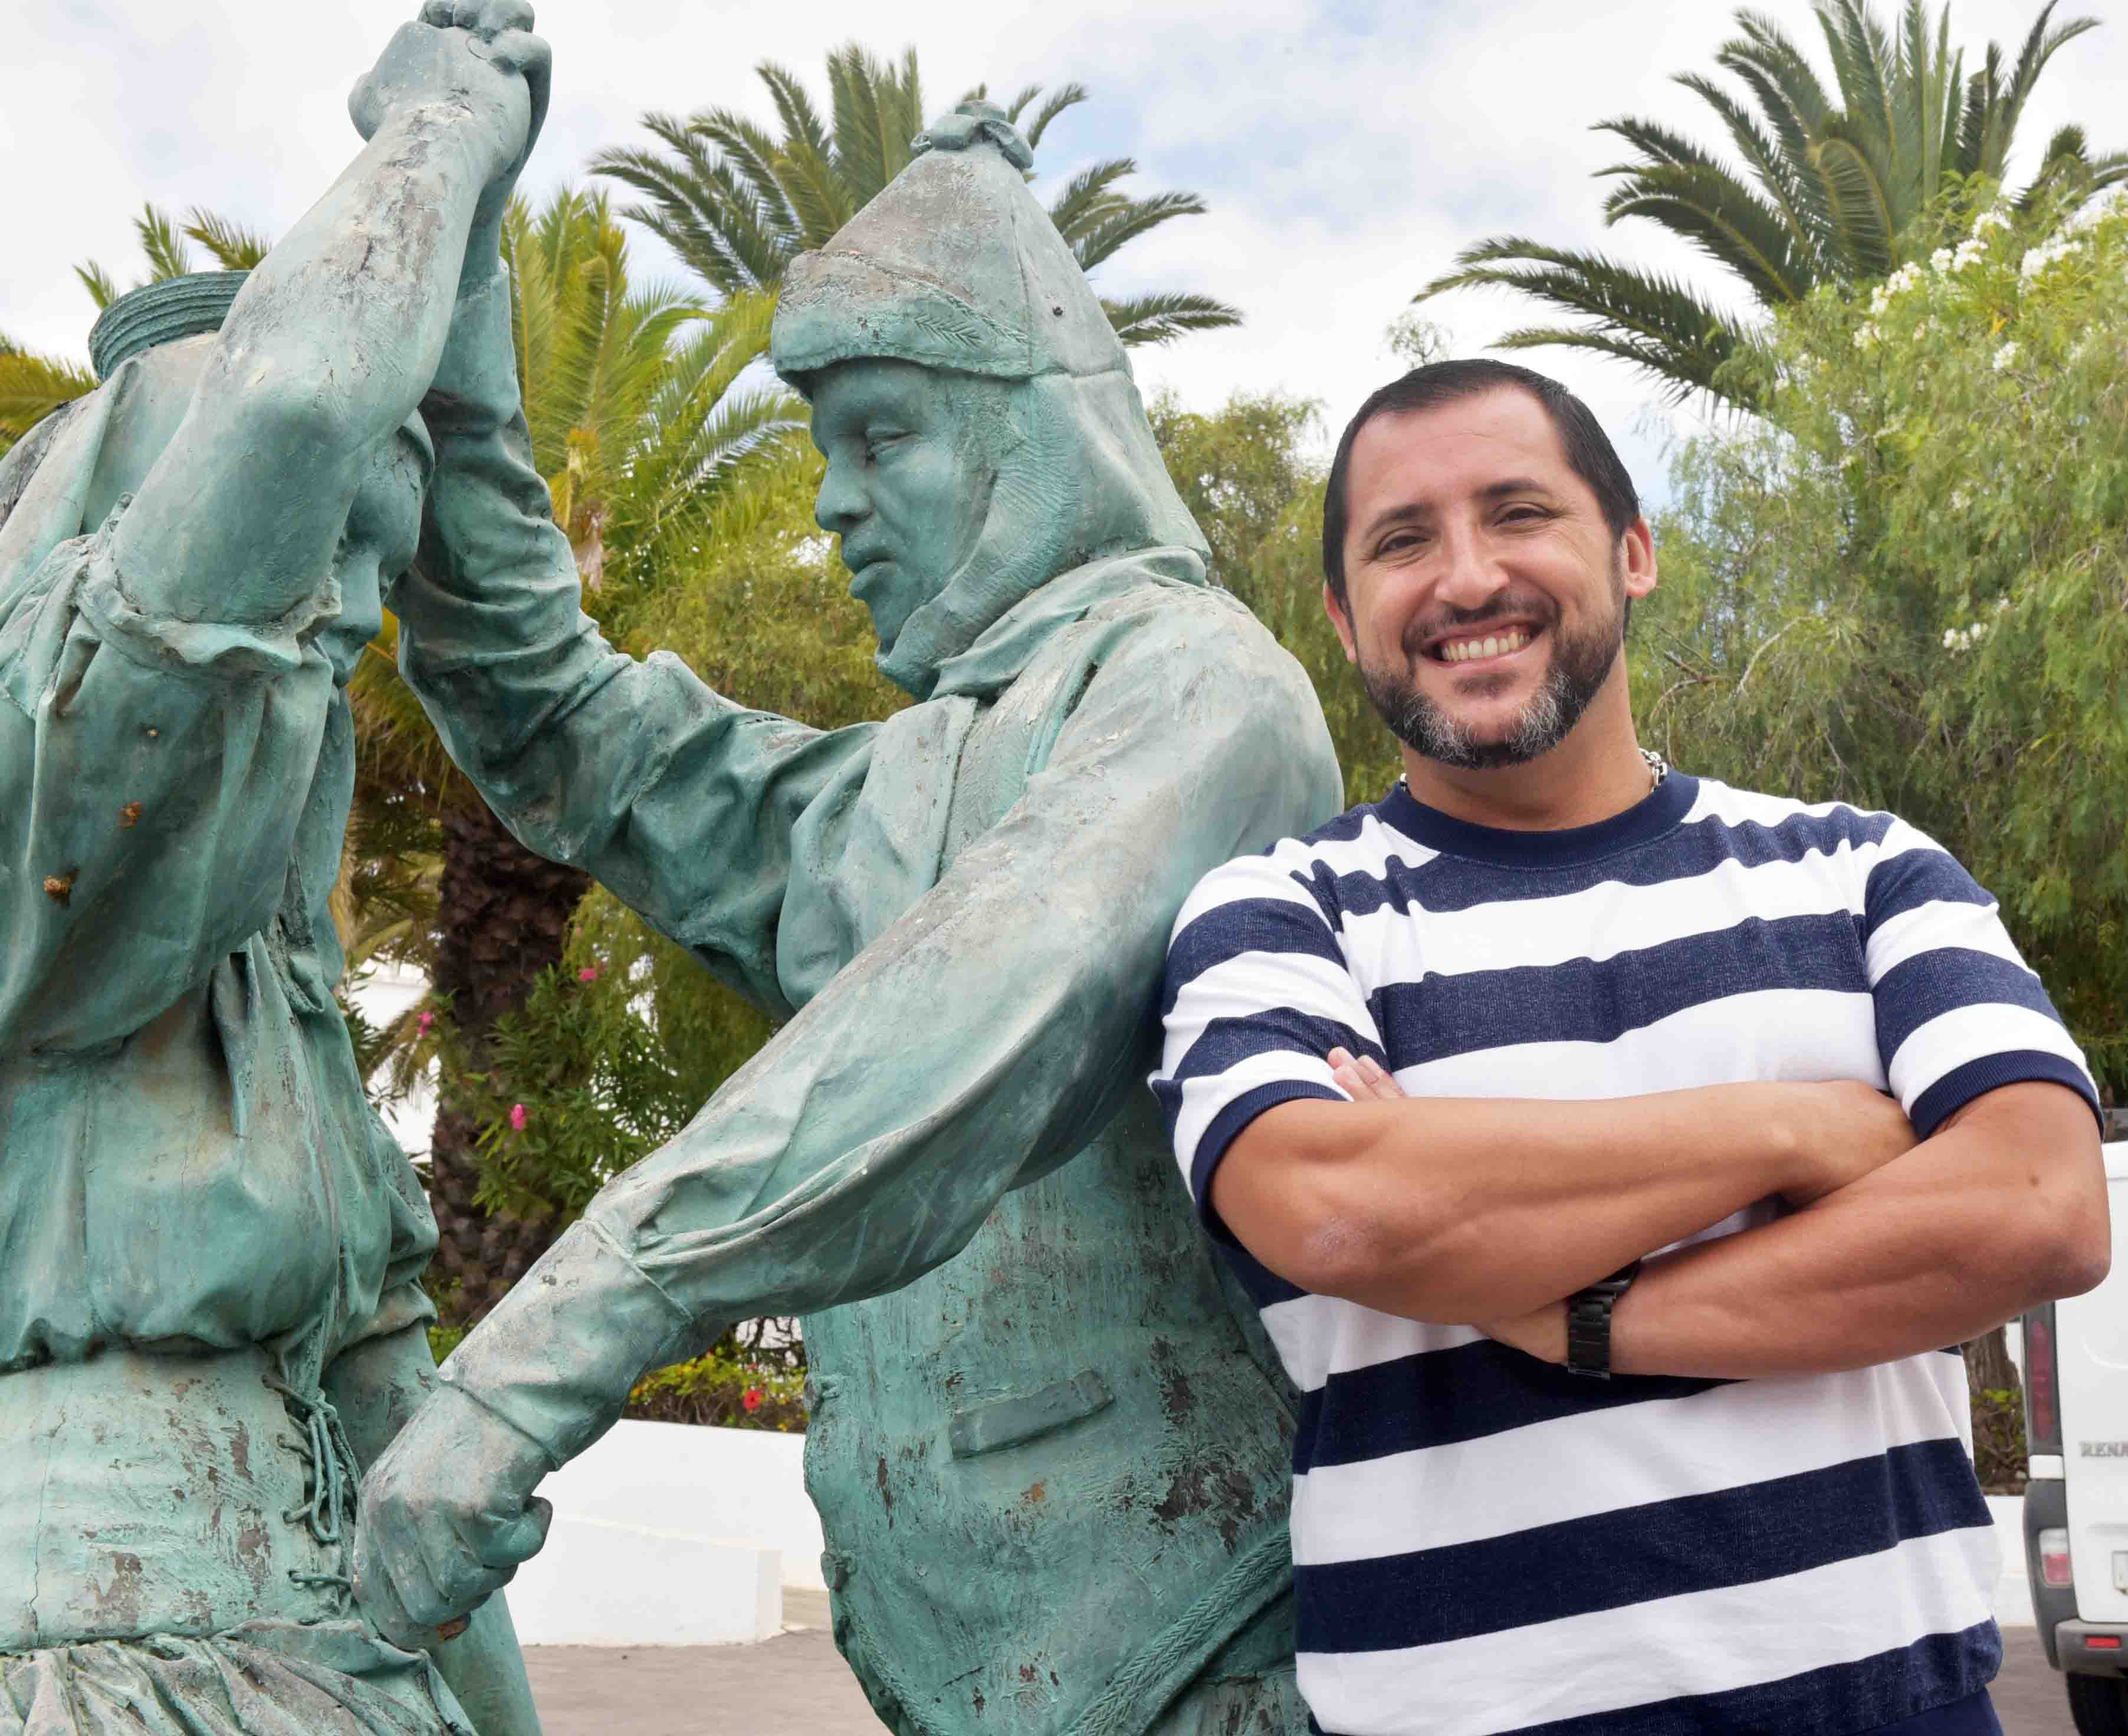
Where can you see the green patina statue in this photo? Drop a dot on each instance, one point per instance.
(209, 1321)
(1049, 1444)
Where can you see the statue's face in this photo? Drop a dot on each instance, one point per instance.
(383, 534)
(909, 473)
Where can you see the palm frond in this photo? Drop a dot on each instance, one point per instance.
(32, 386)
(1064, 97)
(1116, 228)
(1862, 211)
(1088, 195)
(1162, 317)
(168, 255)
(232, 246)
(102, 289)
(1670, 329)
(1712, 209)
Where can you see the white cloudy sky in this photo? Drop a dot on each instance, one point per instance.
(1347, 148)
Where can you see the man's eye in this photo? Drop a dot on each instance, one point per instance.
(1403, 543)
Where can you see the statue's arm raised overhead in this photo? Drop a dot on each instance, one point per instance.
(681, 802)
(149, 798)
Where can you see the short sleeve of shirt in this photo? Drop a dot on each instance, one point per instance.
(1959, 1012)
(1257, 994)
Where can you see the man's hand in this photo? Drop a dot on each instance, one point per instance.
(1849, 1129)
(475, 63)
(447, 1514)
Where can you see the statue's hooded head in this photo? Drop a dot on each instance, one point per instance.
(977, 413)
(150, 350)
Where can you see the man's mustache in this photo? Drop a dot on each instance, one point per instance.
(1525, 605)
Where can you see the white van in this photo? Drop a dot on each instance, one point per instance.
(2076, 1504)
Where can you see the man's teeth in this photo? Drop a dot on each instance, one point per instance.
(1461, 650)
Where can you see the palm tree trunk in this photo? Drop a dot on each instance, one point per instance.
(502, 915)
(1988, 1365)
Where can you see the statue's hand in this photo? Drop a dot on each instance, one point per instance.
(448, 1513)
(477, 62)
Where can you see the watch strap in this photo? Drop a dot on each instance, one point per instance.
(1588, 1323)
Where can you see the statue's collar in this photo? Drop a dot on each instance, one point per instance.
(1009, 644)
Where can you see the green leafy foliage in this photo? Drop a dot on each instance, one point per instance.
(722, 1391)
(32, 386)
(1833, 184)
(1905, 587)
(1248, 475)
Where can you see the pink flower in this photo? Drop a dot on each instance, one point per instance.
(589, 973)
(518, 1117)
(425, 1021)
(751, 1398)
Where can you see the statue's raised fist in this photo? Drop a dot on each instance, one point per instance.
(475, 61)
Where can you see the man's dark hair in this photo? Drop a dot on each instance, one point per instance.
(1589, 453)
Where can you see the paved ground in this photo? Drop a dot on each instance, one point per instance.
(797, 1685)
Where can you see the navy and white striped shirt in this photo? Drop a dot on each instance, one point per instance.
(1483, 1543)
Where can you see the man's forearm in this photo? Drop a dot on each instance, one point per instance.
(1456, 1210)
(2002, 1209)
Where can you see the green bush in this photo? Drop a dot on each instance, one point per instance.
(1906, 587)
(722, 1393)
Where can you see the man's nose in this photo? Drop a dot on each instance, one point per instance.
(1471, 577)
(841, 506)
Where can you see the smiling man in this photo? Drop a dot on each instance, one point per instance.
(1541, 1105)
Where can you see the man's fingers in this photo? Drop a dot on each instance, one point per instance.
(1382, 1079)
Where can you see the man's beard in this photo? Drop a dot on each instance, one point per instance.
(1580, 664)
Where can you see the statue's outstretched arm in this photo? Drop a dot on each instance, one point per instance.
(977, 1043)
(678, 801)
(337, 334)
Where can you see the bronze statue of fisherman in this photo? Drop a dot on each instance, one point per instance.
(1049, 1443)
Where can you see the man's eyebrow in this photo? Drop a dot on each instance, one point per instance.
(1514, 485)
(1411, 512)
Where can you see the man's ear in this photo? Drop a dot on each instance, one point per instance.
(1339, 619)
(1638, 546)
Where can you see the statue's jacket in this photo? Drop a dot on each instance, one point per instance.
(200, 1212)
(1049, 1443)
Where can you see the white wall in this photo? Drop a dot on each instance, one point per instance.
(666, 1534)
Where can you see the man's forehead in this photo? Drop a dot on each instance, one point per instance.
(1467, 445)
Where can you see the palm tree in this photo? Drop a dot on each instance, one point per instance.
(739, 202)
(642, 431)
(1836, 183)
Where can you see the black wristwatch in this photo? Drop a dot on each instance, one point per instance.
(1588, 1323)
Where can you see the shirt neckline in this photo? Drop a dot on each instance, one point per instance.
(1662, 808)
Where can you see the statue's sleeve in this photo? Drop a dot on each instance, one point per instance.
(153, 771)
(976, 1044)
(677, 800)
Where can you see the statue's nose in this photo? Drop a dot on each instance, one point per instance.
(842, 505)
